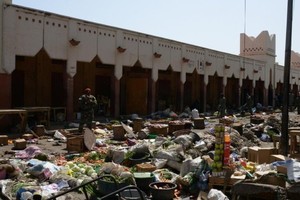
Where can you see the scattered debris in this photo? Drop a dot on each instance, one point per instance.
(173, 150)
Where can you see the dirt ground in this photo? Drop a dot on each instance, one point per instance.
(51, 146)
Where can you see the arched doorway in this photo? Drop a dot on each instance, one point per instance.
(231, 91)
(214, 88)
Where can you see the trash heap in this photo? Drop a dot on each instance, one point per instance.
(141, 152)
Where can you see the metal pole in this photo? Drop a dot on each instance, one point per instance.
(286, 82)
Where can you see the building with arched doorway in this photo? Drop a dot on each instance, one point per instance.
(48, 59)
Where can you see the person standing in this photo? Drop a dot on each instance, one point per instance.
(222, 106)
(297, 103)
(249, 104)
(291, 101)
(87, 103)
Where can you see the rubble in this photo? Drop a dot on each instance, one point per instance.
(188, 157)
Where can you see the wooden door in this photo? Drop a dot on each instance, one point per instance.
(136, 96)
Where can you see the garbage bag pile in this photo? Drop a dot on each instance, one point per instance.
(187, 158)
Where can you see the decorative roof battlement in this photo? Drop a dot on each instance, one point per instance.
(263, 44)
(295, 59)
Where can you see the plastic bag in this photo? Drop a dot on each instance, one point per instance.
(159, 163)
(216, 195)
(60, 136)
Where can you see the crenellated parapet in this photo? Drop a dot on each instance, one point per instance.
(263, 44)
(295, 60)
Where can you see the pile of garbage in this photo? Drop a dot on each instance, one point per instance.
(187, 157)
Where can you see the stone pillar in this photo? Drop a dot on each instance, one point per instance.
(266, 97)
(224, 83)
(5, 76)
(204, 97)
(181, 96)
(116, 104)
(70, 95)
(152, 96)
(5, 92)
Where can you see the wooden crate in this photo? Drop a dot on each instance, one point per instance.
(162, 131)
(175, 127)
(76, 144)
(138, 124)
(20, 144)
(3, 140)
(199, 123)
(40, 130)
(119, 132)
(256, 120)
(27, 136)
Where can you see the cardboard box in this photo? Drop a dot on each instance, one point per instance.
(252, 154)
(282, 169)
(220, 181)
(76, 144)
(3, 140)
(278, 157)
(20, 144)
(260, 155)
(66, 133)
(264, 155)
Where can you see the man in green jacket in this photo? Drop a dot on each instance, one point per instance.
(87, 103)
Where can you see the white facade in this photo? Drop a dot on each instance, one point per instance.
(26, 31)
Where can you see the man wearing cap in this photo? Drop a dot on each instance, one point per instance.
(87, 103)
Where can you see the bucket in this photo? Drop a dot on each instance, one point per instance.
(130, 194)
(152, 136)
(108, 186)
(143, 179)
(138, 158)
(238, 127)
(162, 190)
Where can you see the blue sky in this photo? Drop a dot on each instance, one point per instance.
(214, 24)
